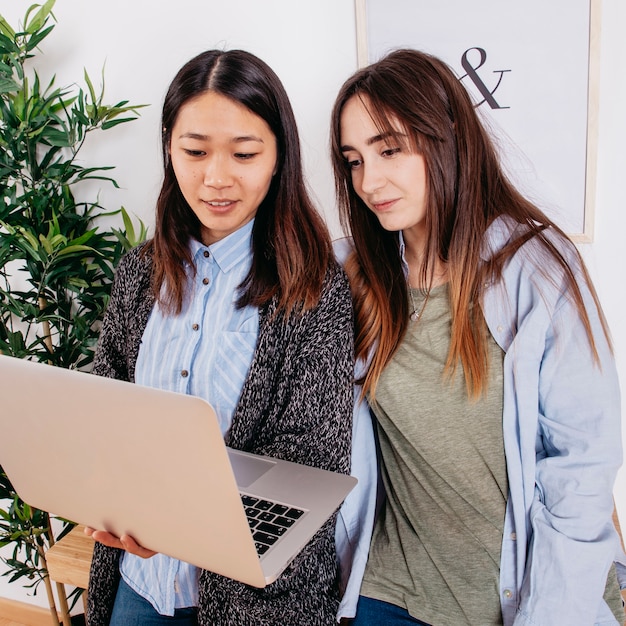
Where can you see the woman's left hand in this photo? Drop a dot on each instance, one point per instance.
(125, 542)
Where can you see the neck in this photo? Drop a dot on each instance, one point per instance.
(415, 257)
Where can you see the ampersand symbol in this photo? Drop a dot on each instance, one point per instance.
(480, 85)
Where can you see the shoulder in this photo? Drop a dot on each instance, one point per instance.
(343, 248)
(331, 321)
(542, 256)
(135, 267)
(543, 279)
(132, 285)
(336, 289)
(505, 230)
(136, 259)
(331, 315)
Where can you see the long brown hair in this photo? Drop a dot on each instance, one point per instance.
(466, 190)
(291, 249)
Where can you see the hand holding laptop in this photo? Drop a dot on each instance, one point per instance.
(125, 542)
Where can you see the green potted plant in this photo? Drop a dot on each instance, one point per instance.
(56, 258)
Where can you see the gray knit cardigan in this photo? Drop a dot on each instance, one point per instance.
(296, 404)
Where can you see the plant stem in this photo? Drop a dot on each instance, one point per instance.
(48, 585)
(43, 303)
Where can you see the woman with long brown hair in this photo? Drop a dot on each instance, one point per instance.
(489, 368)
(236, 299)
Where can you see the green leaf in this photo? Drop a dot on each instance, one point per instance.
(56, 137)
(39, 19)
(7, 39)
(75, 249)
(5, 28)
(29, 237)
(92, 92)
(111, 123)
(8, 85)
(84, 238)
(37, 38)
(128, 224)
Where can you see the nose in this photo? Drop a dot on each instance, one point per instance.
(371, 178)
(217, 173)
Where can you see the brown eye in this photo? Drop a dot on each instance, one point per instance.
(391, 151)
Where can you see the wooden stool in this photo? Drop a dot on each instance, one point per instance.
(69, 560)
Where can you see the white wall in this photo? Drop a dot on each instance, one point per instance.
(311, 44)
(606, 256)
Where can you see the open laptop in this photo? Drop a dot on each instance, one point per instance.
(153, 464)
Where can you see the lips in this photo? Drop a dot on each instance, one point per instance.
(383, 205)
(219, 205)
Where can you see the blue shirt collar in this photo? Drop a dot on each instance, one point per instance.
(405, 265)
(228, 252)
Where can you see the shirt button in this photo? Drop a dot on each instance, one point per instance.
(514, 536)
(507, 593)
(500, 329)
(207, 254)
(184, 373)
(195, 326)
(205, 281)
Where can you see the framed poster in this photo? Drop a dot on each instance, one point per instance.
(532, 70)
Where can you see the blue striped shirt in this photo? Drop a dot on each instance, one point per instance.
(204, 351)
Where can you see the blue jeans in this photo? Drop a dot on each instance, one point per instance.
(370, 612)
(130, 609)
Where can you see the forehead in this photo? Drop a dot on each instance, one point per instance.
(359, 122)
(211, 113)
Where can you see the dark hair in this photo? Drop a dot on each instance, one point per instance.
(290, 243)
(466, 190)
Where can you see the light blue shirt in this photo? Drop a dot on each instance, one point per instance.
(562, 438)
(204, 351)
(355, 521)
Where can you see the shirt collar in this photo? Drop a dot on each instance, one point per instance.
(405, 265)
(499, 233)
(228, 252)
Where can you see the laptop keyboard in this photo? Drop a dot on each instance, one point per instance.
(268, 520)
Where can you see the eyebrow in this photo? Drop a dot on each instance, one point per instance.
(372, 140)
(201, 137)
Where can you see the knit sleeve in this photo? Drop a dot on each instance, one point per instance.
(125, 318)
(302, 380)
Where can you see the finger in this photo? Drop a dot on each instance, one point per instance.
(130, 545)
(102, 536)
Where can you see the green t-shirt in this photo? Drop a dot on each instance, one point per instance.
(436, 547)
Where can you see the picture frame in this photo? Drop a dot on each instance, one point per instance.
(532, 69)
